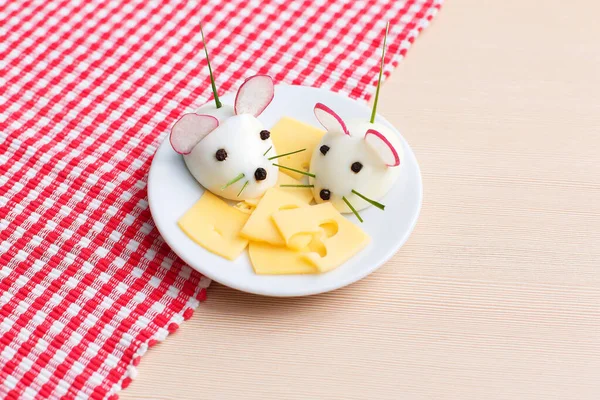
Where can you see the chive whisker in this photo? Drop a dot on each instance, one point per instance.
(212, 79)
(387, 27)
(352, 208)
(286, 154)
(297, 186)
(242, 189)
(234, 180)
(296, 170)
(269, 149)
(368, 200)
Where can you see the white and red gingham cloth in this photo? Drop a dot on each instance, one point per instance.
(87, 91)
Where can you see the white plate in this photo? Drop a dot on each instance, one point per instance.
(172, 191)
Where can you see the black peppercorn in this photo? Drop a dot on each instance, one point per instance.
(325, 194)
(324, 149)
(356, 167)
(265, 134)
(221, 155)
(260, 174)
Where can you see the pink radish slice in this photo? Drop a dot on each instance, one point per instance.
(329, 119)
(383, 147)
(190, 130)
(255, 94)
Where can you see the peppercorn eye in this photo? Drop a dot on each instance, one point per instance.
(265, 134)
(324, 149)
(221, 155)
(356, 167)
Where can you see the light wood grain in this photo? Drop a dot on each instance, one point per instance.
(497, 293)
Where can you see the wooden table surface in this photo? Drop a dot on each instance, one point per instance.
(496, 295)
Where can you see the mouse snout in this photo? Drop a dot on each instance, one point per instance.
(325, 194)
(260, 174)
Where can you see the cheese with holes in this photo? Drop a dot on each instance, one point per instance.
(216, 226)
(331, 239)
(260, 227)
(290, 135)
(267, 259)
(305, 194)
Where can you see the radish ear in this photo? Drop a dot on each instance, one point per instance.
(382, 147)
(255, 94)
(329, 119)
(190, 130)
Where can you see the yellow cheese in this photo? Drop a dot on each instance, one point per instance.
(274, 260)
(331, 239)
(260, 227)
(214, 225)
(290, 135)
(305, 194)
(244, 207)
(252, 203)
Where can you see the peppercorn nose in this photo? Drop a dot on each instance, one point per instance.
(325, 194)
(260, 174)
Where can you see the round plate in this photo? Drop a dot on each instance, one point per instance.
(172, 191)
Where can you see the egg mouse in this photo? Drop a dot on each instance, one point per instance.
(354, 165)
(357, 163)
(226, 148)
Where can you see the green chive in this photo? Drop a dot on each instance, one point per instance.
(373, 202)
(297, 186)
(242, 189)
(269, 149)
(352, 208)
(286, 154)
(212, 79)
(234, 180)
(387, 26)
(296, 170)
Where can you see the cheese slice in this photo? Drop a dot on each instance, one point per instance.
(215, 225)
(260, 227)
(331, 239)
(305, 194)
(289, 135)
(267, 259)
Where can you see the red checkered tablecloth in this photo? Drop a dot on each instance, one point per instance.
(88, 89)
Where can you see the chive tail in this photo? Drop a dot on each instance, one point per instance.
(372, 202)
(297, 186)
(242, 189)
(296, 170)
(352, 208)
(269, 149)
(231, 182)
(212, 78)
(374, 112)
(287, 154)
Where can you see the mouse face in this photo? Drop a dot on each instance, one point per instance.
(227, 149)
(359, 157)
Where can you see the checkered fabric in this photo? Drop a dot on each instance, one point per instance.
(88, 89)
